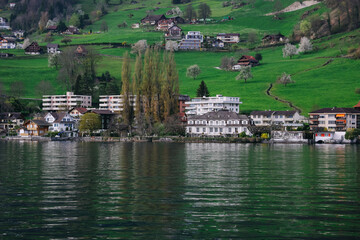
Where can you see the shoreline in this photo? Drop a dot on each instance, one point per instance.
(171, 139)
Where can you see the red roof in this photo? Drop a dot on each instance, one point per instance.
(357, 105)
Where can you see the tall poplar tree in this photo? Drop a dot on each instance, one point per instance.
(146, 84)
(155, 86)
(125, 91)
(137, 78)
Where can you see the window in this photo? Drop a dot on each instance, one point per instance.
(211, 130)
(229, 130)
(216, 129)
(220, 129)
(236, 129)
(197, 130)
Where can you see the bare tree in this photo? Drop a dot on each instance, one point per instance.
(70, 67)
(139, 47)
(285, 79)
(171, 46)
(44, 88)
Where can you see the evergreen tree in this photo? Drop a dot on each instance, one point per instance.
(125, 77)
(202, 90)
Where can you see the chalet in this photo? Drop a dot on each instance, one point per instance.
(229, 37)
(222, 123)
(164, 24)
(53, 48)
(9, 120)
(178, 20)
(7, 44)
(34, 128)
(245, 61)
(173, 32)
(335, 119)
(52, 28)
(81, 50)
(33, 49)
(274, 39)
(61, 122)
(152, 19)
(72, 30)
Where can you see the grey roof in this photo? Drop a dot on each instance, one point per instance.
(153, 17)
(11, 115)
(218, 115)
(269, 113)
(336, 110)
(52, 45)
(41, 122)
(102, 112)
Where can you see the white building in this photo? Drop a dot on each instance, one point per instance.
(218, 123)
(114, 103)
(285, 118)
(61, 122)
(229, 37)
(53, 48)
(194, 35)
(7, 44)
(202, 105)
(65, 102)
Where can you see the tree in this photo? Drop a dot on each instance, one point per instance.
(125, 92)
(44, 88)
(70, 67)
(74, 20)
(305, 27)
(277, 7)
(258, 57)
(61, 26)
(244, 73)
(285, 79)
(305, 45)
(193, 71)
(252, 37)
(53, 60)
(43, 20)
(26, 43)
(204, 11)
(289, 50)
(227, 63)
(139, 47)
(90, 122)
(66, 40)
(202, 90)
(190, 12)
(352, 134)
(104, 27)
(171, 46)
(137, 78)
(357, 91)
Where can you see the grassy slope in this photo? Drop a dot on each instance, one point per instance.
(332, 85)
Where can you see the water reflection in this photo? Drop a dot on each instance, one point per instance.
(143, 190)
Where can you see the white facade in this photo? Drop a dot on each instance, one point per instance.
(215, 124)
(200, 106)
(286, 118)
(60, 122)
(7, 44)
(335, 119)
(65, 102)
(194, 35)
(114, 103)
(229, 37)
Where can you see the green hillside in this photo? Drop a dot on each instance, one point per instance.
(330, 85)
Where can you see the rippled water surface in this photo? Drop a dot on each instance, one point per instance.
(65, 190)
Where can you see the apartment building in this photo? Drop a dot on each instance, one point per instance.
(202, 105)
(194, 35)
(229, 37)
(335, 119)
(114, 103)
(285, 118)
(65, 102)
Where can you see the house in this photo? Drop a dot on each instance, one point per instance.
(203, 105)
(7, 44)
(330, 137)
(77, 112)
(52, 28)
(33, 49)
(288, 137)
(217, 43)
(229, 37)
(218, 123)
(19, 34)
(164, 25)
(61, 122)
(64, 102)
(81, 50)
(285, 118)
(182, 99)
(152, 19)
(245, 61)
(106, 117)
(115, 103)
(173, 32)
(34, 127)
(12, 5)
(335, 119)
(194, 35)
(178, 20)
(3, 20)
(4, 25)
(53, 48)
(190, 44)
(274, 39)
(10, 120)
(72, 30)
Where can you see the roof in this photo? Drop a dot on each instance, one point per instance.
(336, 110)
(357, 105)
(102, 112)
(80, 110)
(11, 115)
(52, 45)
(247, 57)
(269, 113)
(153, 17)
(58, 116)
(274, 36)
(229, 34)
(223, 114)
(40, 122)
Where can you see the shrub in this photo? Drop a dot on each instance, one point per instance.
(265, 136)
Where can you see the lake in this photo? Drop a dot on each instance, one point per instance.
(58, 190)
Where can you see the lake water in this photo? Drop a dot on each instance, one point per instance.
(59, 190)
